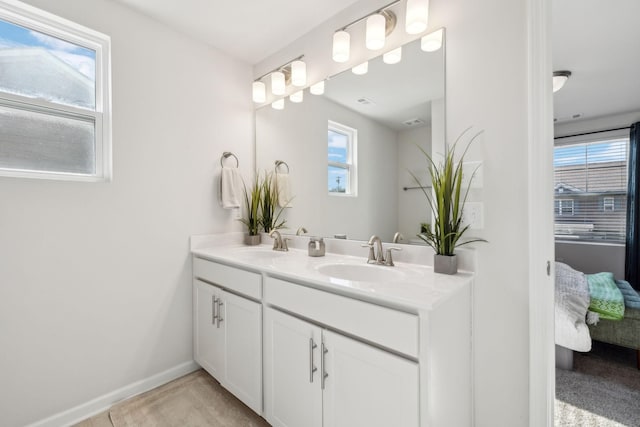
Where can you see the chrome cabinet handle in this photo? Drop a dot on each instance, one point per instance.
(312, 367)
(220, 319)
(214, 305)
(323, 366)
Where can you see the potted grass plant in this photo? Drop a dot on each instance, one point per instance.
(270, 210)
(252, 219)
(446, 201)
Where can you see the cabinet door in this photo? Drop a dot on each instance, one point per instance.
(242, 320)
(293, 396)
(208, 334)
(367, 386)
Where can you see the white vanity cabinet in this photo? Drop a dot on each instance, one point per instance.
(293, 393)
(318, 377)
(228, 329)
(304, 350)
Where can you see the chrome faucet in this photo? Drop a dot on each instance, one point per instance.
(301, 231)
(397, 237)
(279, 244)
(376, 255)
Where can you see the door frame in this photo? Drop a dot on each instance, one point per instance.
(540, 225)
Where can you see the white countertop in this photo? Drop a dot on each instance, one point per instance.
(416, 288)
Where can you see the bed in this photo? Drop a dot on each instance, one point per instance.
(593, 306)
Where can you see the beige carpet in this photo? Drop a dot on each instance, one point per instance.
(196, 400)
(603, 390)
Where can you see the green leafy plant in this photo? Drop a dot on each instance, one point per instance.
(271, 212)
(447, 201)
(253, 202)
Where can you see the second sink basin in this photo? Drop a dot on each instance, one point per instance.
(360, 272)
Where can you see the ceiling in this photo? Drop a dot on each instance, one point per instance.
(597, 41)
(250, 30)
(393, 94)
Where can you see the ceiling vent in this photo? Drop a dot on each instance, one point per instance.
(365, 101)
(413, 122)
(567, 118)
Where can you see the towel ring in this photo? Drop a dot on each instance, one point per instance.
(228, 154)
(281, 163)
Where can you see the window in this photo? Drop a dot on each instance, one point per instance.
(609, 204)
(55, 118)
(564, 207)
(341, 152)
(590, 178)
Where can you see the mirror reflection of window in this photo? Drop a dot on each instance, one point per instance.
(341, 160)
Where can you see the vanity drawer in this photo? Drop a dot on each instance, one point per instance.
(237, 280)
(389, 328)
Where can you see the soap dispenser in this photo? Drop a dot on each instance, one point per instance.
(316, 246)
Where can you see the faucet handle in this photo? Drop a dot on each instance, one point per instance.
(372, 255)
(285, 247)
(389, 258)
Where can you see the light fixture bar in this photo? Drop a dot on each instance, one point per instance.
(280, 68)
(380, 10)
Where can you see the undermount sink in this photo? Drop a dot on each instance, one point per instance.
(360, 272)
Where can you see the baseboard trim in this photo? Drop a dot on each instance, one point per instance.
(104, 402)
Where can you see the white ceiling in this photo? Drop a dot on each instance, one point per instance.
(250, 30)
(597, 41)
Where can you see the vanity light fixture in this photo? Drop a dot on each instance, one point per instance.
(375, 32)
(278, 85)
(559, 79)
(393, 56)
(432, 41)
(298, 73)
(278, 104)
(297, 97)
(379, 25)
(341, 46)
(259, 92)
(417, 16)
(293, 72)
(318, 88)
(361, 69)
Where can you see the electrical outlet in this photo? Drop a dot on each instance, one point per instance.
(472, 215)
(468, 169)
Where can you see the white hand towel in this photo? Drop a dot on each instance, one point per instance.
(230, 188)
(283, 185)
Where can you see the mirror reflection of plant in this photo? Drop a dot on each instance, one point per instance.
(271, 211)
(447, 201)
(253, 202)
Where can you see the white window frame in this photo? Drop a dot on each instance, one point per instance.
(351, 187)
(36, 19)
(570, 205)
(609, 204)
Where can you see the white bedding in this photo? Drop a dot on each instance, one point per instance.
(571, 304)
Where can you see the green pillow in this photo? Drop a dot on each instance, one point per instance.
(606, 298)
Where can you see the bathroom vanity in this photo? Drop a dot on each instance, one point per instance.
(332, 340)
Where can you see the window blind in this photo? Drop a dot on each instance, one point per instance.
(590, 189)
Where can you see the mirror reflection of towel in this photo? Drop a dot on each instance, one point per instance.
(283, 184)
(230, 188)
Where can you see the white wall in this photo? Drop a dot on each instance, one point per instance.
(298, 136)
(95, 278)
(592, 258)
(413, 208)
(487, 87)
